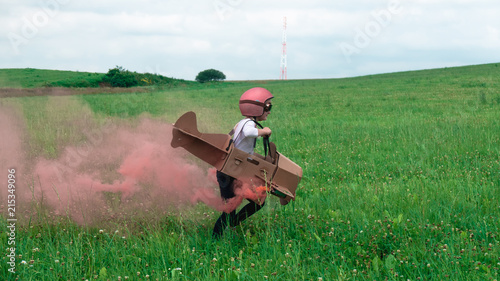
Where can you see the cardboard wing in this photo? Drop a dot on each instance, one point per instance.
(280, 174)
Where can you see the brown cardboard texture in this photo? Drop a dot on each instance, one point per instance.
(280, 173)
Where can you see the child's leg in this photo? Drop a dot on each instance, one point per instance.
(226, 191)
(224, 220)
(245, 212)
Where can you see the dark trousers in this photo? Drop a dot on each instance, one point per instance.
(227, 185)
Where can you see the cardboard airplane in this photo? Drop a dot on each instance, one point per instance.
(280, 174)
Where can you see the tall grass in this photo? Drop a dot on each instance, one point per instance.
(401, 182)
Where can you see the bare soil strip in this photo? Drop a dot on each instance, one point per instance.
(60, 91)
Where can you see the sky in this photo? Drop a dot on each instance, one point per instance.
(244, 38)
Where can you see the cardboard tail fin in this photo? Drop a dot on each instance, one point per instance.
(210, 148)
(186, 124)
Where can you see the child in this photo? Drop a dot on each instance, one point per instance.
(255, 105)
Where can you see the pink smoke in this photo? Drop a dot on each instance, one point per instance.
(134, 168)
(11, 154)
(121, 172)
(243, 189)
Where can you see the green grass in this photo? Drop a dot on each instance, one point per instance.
(401, 181)
(33, 78)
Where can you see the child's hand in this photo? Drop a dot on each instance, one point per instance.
(264, 132)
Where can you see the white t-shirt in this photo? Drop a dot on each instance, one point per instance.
(245, 134)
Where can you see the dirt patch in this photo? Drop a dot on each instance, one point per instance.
(60, 91)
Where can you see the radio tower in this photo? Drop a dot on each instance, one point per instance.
(283, 53)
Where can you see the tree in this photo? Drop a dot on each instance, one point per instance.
(120, 77)
(210, 75)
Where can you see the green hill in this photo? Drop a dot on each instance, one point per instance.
(33, 78)
(36, 78)
(466, 76)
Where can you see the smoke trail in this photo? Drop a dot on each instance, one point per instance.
(130, 171)
(243, 189)
(120, 172)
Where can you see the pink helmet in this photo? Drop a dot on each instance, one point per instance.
(253, 101)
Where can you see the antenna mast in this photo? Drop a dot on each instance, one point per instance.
(283, 53)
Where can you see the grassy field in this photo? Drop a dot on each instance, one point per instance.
(31, 78)
(401, 182)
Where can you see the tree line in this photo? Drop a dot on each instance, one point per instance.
(121, 77)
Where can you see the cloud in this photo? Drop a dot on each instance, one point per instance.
(243, 38)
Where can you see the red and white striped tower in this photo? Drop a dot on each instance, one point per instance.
(283, 53)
